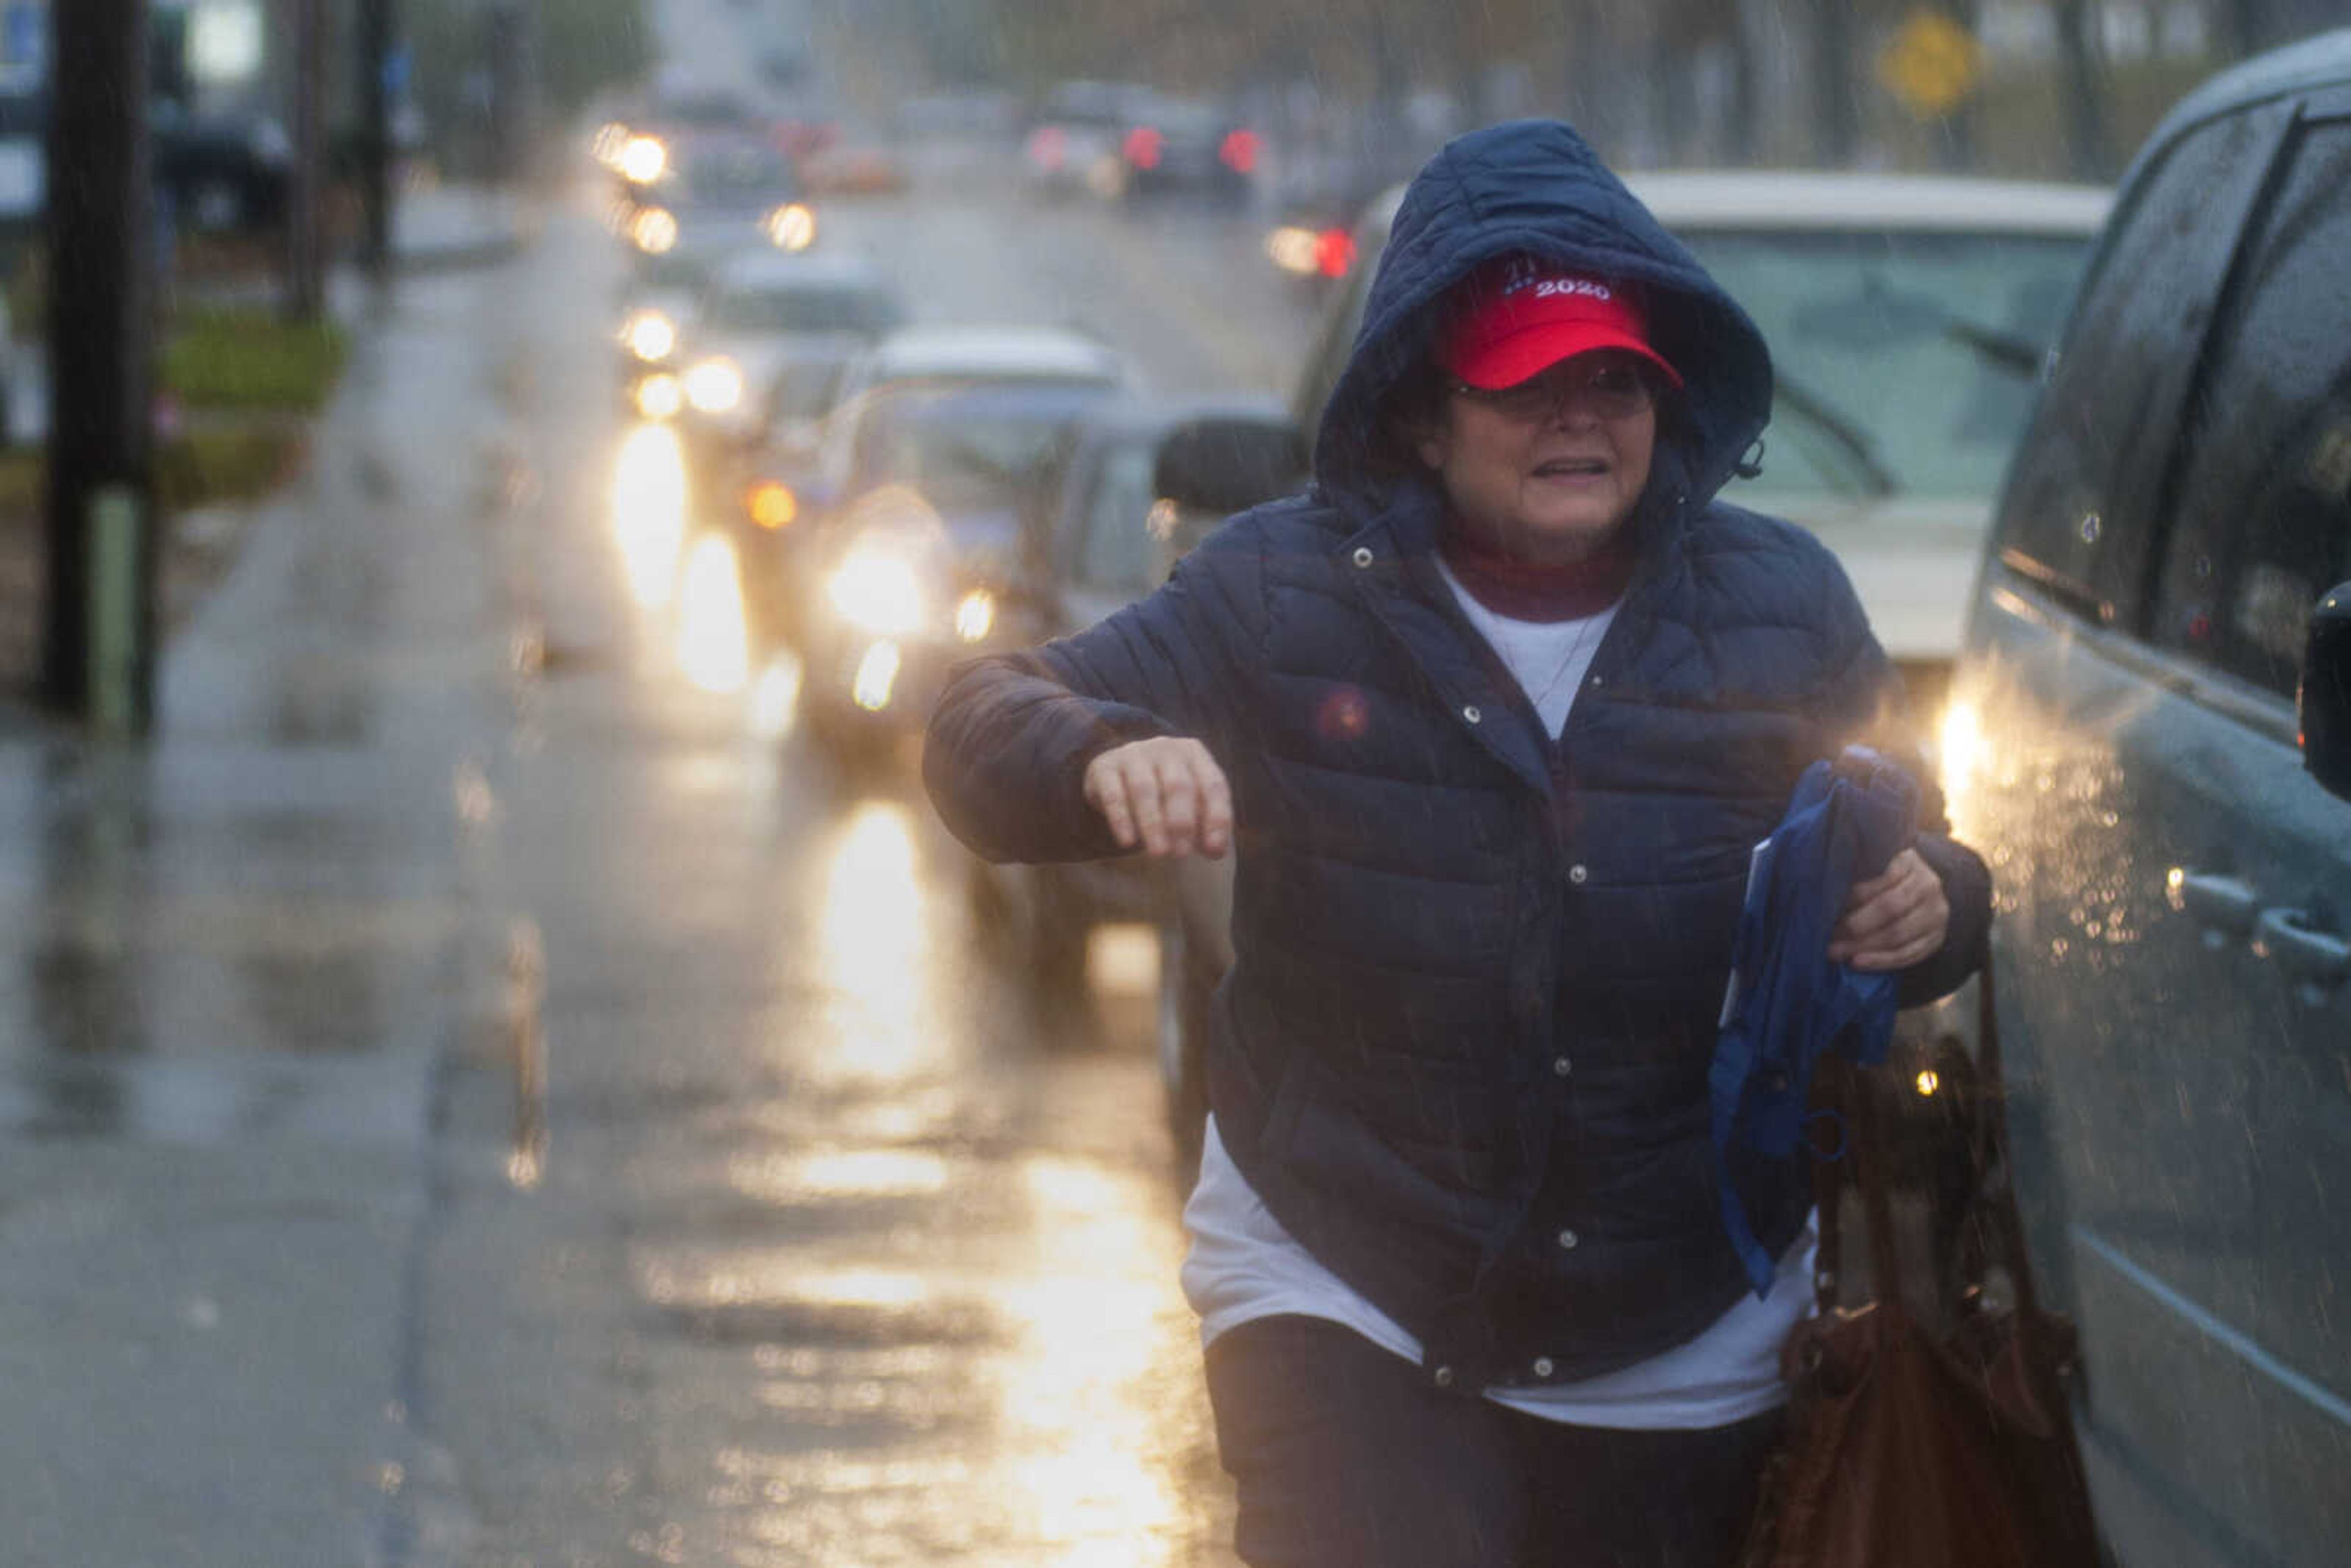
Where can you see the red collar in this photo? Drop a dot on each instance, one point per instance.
(1522, 590)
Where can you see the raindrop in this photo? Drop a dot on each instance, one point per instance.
(2091, 527)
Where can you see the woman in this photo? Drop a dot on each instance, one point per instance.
(1493, 716)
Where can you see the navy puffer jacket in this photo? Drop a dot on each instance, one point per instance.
(1462, 1053)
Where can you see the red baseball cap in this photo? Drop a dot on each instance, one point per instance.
(1517, 317)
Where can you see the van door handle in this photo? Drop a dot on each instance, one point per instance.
(2220, 903)
(2313, 956)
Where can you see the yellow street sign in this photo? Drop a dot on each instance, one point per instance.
(1931, 64)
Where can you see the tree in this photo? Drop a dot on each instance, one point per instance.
(586, 47)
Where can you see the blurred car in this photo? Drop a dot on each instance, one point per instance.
(1102, 539)
(759, 303)
(1075, 143)
(915, 562)
(796, 486)
(1173, 146)
(224, 173)
(1908, 317)
(713, 191)
(2151, 735)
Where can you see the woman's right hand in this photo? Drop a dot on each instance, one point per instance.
(1166, 794)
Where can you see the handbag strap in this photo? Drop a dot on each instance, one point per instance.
(1828, 1188)
(1845, 1092)
(1846, 1089)
(1877, 1206)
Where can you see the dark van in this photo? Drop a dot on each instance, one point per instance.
(2150, 722)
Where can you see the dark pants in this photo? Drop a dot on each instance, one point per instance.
(1345, 1457)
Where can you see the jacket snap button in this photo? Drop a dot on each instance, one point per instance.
(1542, 1366)
(1567, 1240)
(1471, 713)
(1444, 1377)
(1362, 555)
(1576, 874)
(1562, 1067)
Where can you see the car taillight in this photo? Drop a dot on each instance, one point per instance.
(1141, 147)
(1334, 252)
(1239, 151)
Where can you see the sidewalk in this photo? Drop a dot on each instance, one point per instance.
(231, 964)
(455, 226)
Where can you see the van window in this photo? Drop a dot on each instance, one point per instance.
(2262, 519)
(2077, 510)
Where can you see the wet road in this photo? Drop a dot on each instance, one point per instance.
(771, 1226)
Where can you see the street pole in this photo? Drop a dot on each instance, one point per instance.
(2086, 92)
(99, 638)
(306, 231)
(375, 39)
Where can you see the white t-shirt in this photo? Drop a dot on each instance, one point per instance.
(1244, 1265)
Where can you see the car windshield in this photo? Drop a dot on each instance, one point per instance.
(1905, 362)
(971, 452)
(804, 384)
(681, 270)
(841, 307)
(736, 171)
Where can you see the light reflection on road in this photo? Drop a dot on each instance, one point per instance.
(1083, 1400)
(876, 941)
(649, 511)
(714, 646)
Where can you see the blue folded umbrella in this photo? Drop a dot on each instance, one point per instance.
(1787, 1003)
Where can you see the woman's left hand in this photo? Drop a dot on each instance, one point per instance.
(1893, 921)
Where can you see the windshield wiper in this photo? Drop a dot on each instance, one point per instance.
(2004, 351)
(1841, 428)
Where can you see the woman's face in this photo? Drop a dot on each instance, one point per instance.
(1548, 470)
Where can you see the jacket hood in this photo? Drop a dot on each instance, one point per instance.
(1534, 186)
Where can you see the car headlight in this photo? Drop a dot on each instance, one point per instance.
(877, 592)
(792, 226)
(660, 397)
(650, 336)
(715, 386)
(653, 230)
(975, 615)
(643, 160)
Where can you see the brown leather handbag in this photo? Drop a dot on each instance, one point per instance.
(1911, 1444)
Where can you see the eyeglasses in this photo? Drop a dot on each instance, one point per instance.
(1611, 388)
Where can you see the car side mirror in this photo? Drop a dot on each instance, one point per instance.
(1225, 463)
(2325, 702)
